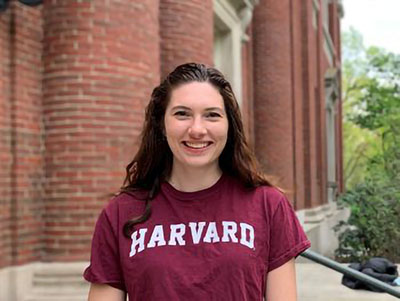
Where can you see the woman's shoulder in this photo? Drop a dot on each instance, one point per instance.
(269, 193)
(129, 196)
(272, 196)
(125, 202)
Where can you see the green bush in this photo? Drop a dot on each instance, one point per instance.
(373, 228)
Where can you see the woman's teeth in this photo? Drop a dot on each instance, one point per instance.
(196, 145)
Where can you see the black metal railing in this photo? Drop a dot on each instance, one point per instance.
(311, 255)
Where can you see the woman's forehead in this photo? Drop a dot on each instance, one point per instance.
(196, 94)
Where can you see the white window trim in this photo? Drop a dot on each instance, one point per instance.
(315, 13)
(331, 98)
(328, 45)
(226, 14)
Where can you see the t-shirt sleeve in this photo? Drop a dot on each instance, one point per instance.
(105, 265)
(287, 237)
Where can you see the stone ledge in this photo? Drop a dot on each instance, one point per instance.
(44, 281)
(318, 225)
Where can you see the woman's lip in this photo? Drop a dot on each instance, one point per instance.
(197, 149)
(197, 142)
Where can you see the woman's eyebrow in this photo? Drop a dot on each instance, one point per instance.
(215, 109)
(180, 108)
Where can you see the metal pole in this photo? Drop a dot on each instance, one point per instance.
(311, 255)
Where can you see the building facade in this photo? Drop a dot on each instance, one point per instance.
(75, 78)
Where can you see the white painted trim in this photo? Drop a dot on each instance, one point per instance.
(226, 15)
(316, 4)
(325, 12)
(328, 45)
(331, 99)
(246, 15)
(315, 12)
(226, 12)
(340, 8)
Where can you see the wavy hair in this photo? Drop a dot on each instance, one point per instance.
(152, 163)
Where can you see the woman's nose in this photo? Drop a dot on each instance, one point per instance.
(197, 128)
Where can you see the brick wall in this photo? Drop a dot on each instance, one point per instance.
(290, 116)
(100, 63)
(22, 128)
(5, 141)
(312, 95)
(297, 103)
(273, 93)
(187, 33)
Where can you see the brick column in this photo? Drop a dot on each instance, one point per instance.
(187, 33)
(5, 141)
(21, 161)
(298, 104)
(101, 61)
(273, 90)
(312, 83)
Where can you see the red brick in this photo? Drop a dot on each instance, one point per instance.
(184, 23)
(102, 69)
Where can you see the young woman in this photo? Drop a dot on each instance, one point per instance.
(195, 219)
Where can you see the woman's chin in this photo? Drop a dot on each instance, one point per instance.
(199, 164)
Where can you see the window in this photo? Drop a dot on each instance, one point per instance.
(228, 44)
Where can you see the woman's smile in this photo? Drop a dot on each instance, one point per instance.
(196, 145)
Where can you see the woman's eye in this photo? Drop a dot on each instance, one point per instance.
(180, 113)
(213, 115)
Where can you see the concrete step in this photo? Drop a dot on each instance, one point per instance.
(316, 282)
(57, 280)
(57, 298)
(60, 282)
(64, 293)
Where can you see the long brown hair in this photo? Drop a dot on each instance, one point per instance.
(152, 163)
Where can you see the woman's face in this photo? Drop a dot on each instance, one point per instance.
(196, 125)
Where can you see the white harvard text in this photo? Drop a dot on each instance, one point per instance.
(177, 232)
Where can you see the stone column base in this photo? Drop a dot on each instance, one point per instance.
(318, 224)
(44, 282)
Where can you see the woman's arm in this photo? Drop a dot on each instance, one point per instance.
(281, 283)
(104, 292)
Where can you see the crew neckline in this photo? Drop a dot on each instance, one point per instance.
(194, 195)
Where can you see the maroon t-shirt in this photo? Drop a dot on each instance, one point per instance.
(215, 244)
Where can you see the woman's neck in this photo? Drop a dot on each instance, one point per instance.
(194, 179)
